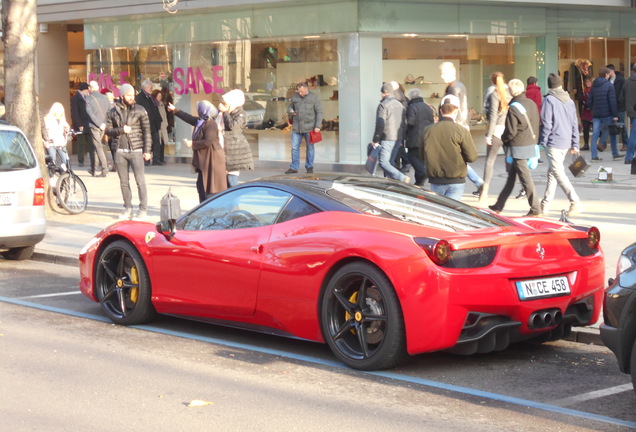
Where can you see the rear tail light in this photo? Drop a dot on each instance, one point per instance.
(38, 194)
(440, 252)
(589, 245)
(594, 238)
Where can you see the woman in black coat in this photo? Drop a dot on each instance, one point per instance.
(419, 115)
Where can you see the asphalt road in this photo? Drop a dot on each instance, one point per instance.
(63, 366)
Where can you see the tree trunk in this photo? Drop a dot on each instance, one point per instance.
(20, 33)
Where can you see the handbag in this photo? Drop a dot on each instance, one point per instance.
(578, 166)
(373, 154)
(616, 128)
(315, 137)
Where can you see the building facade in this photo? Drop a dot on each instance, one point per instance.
(344, 49)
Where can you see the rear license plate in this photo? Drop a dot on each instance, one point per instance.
(7, 198)
(541, 288)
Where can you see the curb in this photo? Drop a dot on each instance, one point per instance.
(584, 335)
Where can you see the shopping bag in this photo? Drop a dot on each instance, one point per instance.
(616, 128)
(578, 166)
(373, 153)
(533, 162)
(315, 137)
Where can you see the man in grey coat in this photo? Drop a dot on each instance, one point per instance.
(97, 108)
(305, 113)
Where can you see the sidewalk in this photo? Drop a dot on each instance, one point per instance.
(67, 234)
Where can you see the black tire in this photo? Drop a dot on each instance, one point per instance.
(19, 253)
(632, 365)
(361, 318)
(122, 284)
(72, 193)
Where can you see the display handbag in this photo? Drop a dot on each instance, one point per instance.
(578, 166)
(373, 154)
(315, 137)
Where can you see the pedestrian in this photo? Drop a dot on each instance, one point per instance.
(388, 121)
(157, 97)
(586, 113)
(419, 116)
(628, 97)
(454, 87)
(533, 91)
(144, 98)
(496, 115)
(208, 157)
(167, 98)
(617, 78)
(129, 126)
(80, 122)
(111, 103)
(520, 138)
(447, 148)
(238, 154)
(97, 107)
(401, 161)
(305, 112)
(602, 101)
(55, 130)
(559, 135)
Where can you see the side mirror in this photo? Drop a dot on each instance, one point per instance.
(167, 228)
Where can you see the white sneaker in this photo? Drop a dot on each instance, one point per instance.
(126, 215)
(141, 215)
(545, 209)
(575, 209)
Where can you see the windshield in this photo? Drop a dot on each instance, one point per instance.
(15, 151)
(414, 205)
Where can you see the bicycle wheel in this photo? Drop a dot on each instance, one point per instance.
(72, 193)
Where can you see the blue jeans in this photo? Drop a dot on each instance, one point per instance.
(297, 139)
(387, 156)
(601, 127)
(631, 143)
(474, 177)
(453, 190)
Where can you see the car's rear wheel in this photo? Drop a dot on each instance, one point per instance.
(361, 318)
(19, 253)
(632, 365)
(122, 284)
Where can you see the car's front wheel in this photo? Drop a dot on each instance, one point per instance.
(122, 284)
(361, 318)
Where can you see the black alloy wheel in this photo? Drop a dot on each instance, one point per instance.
(361, 318)
(122, 284)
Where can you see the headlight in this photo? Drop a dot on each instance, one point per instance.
(624, 263)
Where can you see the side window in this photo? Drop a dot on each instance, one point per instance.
(296, 208)
(15, 152)
(242, 208)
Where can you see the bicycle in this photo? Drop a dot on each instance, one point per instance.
(67, 189)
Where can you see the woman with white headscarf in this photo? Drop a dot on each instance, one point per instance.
(238, 154)
(208, 158)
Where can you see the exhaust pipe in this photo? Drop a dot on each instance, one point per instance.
(545, 318)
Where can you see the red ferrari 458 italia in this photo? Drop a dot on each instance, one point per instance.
(377, 269)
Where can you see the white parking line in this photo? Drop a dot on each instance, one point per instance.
(50, 295)
(591, 395)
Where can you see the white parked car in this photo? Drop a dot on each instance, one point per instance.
(21, 195)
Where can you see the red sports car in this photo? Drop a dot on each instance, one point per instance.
(375, 268)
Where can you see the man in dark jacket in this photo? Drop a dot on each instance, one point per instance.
(447, 148)
(128, 125)
(628, 98)
(559, 134)
(419, 115)
(520, 138)
(305, 112)
(80, 120)
(145, 99)
(388, 121)
(97, 107)
(602, 101)
(617, 78)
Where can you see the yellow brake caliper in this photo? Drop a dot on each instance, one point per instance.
(134, 278)
(353, 299)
